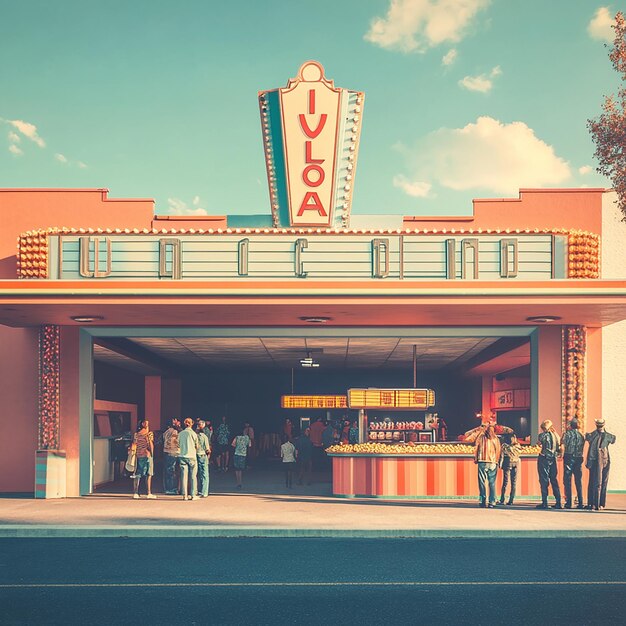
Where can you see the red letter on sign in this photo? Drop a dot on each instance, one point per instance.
(305, 127)
(316, 204)
(307, 154)
(320, 176)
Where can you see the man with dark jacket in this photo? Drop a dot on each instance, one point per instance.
(573, 444)
(598, 464)
(546, 464)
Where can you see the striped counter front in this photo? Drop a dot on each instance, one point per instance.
(420, 476)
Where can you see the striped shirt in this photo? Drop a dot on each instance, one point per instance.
(488, 452)
(573, 442)
(143, 441)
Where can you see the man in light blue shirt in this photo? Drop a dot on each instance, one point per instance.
(188, 442)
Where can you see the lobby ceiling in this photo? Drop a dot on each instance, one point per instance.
(188, 353)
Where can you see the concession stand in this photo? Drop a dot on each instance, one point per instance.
(390, 465)
(505, 308)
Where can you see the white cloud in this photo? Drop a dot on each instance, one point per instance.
(600, 25)
(450, 57)
(28, 130)
(415, 188)
(14, 137)
(176, 206)
(13, 149)
(585, 169)
(417, 25)
(482, 83)
(196, 200)
(60, 157)
(487, 154)
(81, 165)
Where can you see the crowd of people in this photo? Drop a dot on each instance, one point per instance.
(191, 448)
(490, 454)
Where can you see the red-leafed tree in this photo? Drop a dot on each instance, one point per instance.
(608, 130)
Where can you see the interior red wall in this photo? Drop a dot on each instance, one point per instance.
(152, 386)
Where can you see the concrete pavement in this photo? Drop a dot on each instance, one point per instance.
(264, 508)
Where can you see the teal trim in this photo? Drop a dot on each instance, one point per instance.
(249, 221)
(534, 385)
(85, 382)
(487, 331)
(278, 154)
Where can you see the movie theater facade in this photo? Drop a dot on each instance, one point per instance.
(110, 313)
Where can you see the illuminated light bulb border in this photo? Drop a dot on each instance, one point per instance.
(573, 375)
(49, 387)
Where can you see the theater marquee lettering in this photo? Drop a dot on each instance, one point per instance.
(311, 256)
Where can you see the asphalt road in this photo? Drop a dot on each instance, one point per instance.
(312, 581)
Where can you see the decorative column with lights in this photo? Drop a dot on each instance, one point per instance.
(50, 463)
(574, 375)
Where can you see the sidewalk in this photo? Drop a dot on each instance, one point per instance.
(265, 508)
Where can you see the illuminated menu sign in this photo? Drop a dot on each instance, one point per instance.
(314, 402)
(398, 399)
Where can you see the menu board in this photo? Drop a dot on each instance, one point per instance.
(314, 402)
(398, 399)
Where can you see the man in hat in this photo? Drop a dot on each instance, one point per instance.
(573, 444)
(546, 464)
(598, 464)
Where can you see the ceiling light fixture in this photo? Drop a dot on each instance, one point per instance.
(543, 319)
(308, 361)
(316, 320)
(86, 318)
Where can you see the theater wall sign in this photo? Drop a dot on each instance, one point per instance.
(311, 133)
(248, 254)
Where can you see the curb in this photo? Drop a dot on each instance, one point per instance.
(229, 532)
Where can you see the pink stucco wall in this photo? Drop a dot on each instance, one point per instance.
(70, 410)
(19, 390)
(22, 210)
(544, 209)
(549, 363)
(29, 209)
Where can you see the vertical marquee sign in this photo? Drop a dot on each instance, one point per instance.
(311, 133)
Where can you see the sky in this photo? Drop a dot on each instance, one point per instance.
(158, 99)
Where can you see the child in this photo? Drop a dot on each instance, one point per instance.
(509, 461)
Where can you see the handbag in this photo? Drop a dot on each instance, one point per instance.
(131, 460)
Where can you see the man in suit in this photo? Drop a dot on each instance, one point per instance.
(598, 464)
(550, 444)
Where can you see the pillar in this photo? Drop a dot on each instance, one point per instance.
(50, 463)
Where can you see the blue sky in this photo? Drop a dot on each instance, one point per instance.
(158, 99)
